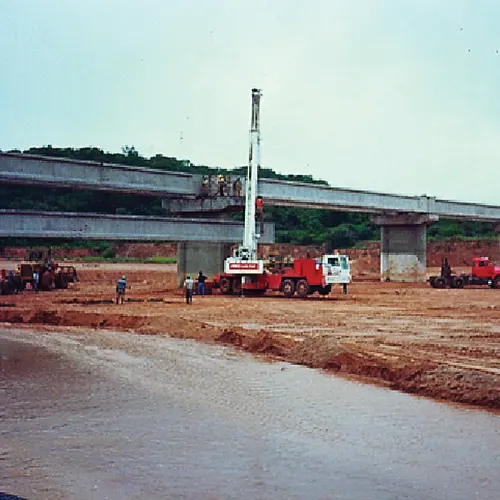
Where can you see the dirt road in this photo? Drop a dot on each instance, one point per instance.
(439, 343)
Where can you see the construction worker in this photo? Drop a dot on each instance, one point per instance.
(237, 187)
(36, 279)
(222, 185)
(205, 188)
(121, 286)
(201, 283)
(18, 282)
(259, 212)
(188, 285)
(259, 205)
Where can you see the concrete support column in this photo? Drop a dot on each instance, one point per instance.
(403, 247)
(207, 257)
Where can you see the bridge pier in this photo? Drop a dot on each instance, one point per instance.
(403, 246)
(195, 256)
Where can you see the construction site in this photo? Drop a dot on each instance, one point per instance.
(439, 343)
(141, 379)
(333, 312)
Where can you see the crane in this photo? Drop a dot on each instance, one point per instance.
(244, 259)
(244, 271)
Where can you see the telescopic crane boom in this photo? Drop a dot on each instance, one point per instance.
(244, 259)
(250, 237)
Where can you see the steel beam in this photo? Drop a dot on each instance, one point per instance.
(34, 224)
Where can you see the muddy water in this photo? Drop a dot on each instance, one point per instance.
(94, 415)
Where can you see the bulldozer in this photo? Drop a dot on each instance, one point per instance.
(51, 274)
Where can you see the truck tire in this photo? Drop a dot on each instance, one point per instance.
(288, 288)
(325, 290)
(225, 285)
(302, 288)
(236, 286)
(496, 282)
(439, 282)
(458, 282)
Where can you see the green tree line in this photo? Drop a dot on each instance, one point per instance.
(293, 225)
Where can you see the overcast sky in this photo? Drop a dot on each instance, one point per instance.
(397, 96)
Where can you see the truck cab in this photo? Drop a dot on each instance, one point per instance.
(336, 269)
(483, 268)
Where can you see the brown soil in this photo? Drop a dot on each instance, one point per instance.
(439, 343)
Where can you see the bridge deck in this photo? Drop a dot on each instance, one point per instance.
(29, 169)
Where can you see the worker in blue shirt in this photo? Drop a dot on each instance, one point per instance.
(121, 286)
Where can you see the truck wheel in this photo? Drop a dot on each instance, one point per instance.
(432, 280)
(225, 285)
(458, 282)
(236, 286)
(302, 288)
(325, 290)
(496, 282)
(439, 282)
(288, 288)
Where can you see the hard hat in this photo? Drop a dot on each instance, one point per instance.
(124, 277)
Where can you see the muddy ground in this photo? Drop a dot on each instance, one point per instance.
(443, 344)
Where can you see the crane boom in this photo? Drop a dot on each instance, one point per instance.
(250, 235)
(244, 259)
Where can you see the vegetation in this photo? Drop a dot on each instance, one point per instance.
(145, 260)
(293, 225)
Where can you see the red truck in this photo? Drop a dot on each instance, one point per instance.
(304, 277)
(483, 273)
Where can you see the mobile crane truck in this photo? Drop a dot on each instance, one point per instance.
(244, 272)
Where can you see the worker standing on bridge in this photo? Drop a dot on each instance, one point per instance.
(121, 286)
(205, 187)
(237, 187)
(188, 285)
(222, 185)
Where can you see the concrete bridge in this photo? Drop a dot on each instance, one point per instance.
(403, 219)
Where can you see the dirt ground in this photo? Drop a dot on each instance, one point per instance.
(443, 344)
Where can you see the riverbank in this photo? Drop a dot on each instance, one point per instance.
(105, 414)
(443, 344)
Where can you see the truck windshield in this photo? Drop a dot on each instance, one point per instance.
(333, 261)
(343, 263)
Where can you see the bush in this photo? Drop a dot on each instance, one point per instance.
(109, 253)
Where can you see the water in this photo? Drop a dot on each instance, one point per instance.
(101, 415)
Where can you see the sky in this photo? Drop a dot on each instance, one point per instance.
(395, 96)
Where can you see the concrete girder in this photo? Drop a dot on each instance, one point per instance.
(61, 172)
(35, 224)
